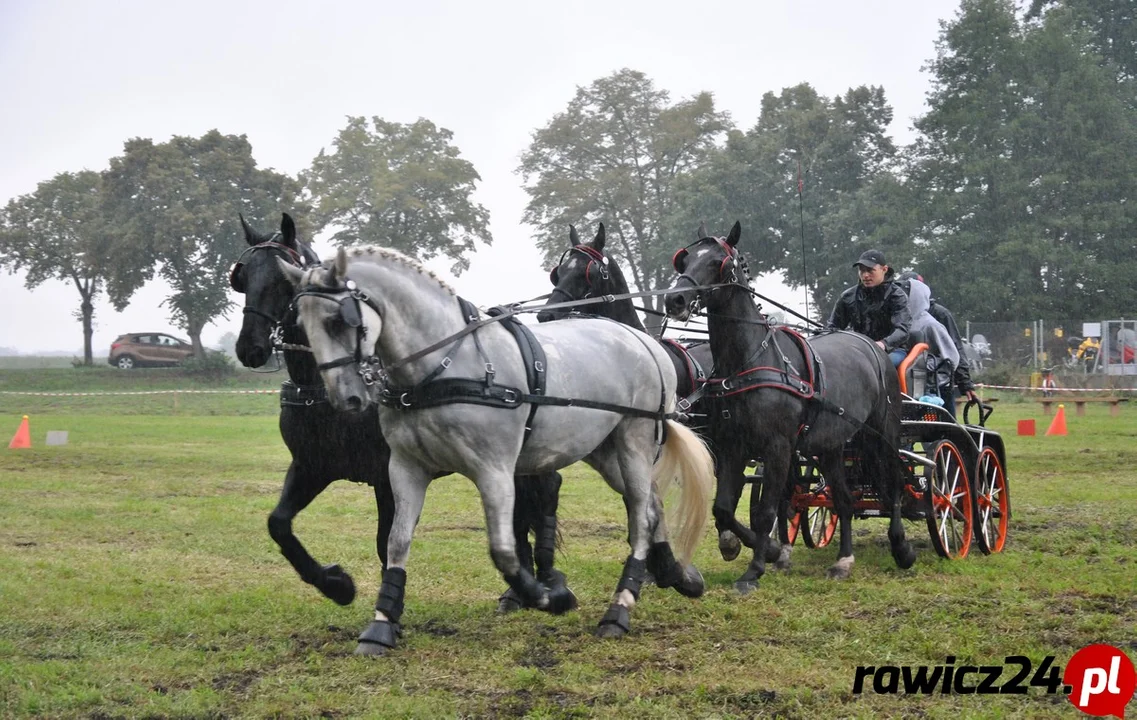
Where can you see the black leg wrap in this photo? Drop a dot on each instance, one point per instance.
(662, 563)
(391, 591)
(547, 543)
(634, 572)
(616, 622)
(337, 585)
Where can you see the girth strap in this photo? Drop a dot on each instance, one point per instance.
(533, 357)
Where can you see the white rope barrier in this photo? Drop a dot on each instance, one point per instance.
(142, 392)
(1053, 389)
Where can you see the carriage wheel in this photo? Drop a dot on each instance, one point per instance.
(991, 503)
(817, 527)
(948, 502)
(792, 527)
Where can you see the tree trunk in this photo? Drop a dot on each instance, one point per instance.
(88, 314)
(194, 332)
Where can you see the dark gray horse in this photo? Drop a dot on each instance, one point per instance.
(775, 393)
(457, 395)
(586, 271)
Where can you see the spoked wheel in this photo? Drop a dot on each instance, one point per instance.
(948, 502)
(992, 506)
(817, 526)
(792, 527)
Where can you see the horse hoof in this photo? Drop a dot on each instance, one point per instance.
(561, 600)
(729, 545)
(783, 561)
(370, 649)
(840, 569)
(905, 557)
(610, 632)
(337, 585)
(508, 602)
(692, 584)
(745, 587)
(616, 622)
(378, 638)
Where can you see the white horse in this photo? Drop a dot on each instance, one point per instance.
(457, 397)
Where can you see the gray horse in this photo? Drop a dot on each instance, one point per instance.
(452, 404)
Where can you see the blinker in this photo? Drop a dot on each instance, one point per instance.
(349, 311)
(235, 280)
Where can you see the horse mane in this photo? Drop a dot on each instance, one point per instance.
(371, 252)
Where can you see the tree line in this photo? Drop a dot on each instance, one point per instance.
(1017, 197)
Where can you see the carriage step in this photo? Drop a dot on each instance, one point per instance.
(917, 458)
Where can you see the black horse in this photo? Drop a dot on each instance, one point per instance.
(585, 271)
(775, 394)
(327, 445)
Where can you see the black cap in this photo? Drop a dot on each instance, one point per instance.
(870, 258)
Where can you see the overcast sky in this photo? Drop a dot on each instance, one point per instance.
(80, 78)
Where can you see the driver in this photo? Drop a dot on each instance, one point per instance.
(877, 307)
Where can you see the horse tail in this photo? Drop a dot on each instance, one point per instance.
(685, 457)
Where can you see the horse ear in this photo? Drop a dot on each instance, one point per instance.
(250, 234)
(598, 241)
(340, 267)
(291, 273)
(574, 239)
(702, 231)
(288, 230)
(735, 234)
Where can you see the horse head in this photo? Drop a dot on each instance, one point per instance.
(336, 315)
(705, 262)
(267, 292)
(583, 271)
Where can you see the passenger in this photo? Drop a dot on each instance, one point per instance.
(939, 328)
(876, 307)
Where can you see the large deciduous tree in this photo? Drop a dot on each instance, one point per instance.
(402, 186)
(839, 151)
(57, 232)
(175, 209)
(615, 154)
(1025, 158)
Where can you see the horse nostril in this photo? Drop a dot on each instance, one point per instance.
(354, 403)
(256, 356)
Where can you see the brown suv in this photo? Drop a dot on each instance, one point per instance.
(154, 349)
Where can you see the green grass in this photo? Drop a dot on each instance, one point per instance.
(138, 580)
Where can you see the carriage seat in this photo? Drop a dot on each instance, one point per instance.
(913, 370)
(923, 373)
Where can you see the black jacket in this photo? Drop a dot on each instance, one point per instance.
(880, 312)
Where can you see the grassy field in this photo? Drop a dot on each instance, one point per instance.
(138, 580)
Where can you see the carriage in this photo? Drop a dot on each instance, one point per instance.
(956, 475)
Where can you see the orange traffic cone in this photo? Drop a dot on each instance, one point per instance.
(1058, 426)
(23, 436)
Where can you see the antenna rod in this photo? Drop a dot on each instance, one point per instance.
(801, 228)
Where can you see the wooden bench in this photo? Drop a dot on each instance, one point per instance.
(1080, 404)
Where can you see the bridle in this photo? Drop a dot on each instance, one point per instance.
(733, 262)
(348, 297)
(236, 282)
(594, 257)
